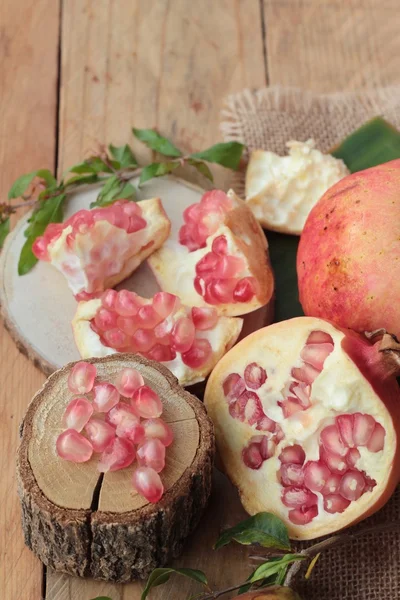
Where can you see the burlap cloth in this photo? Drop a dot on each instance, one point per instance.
(367, 568)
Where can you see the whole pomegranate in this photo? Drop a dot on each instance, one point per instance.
(348, 261)
(306, 418)
(276, 592)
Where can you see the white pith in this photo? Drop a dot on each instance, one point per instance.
(281, 190)
(339, 389)
(221, 337)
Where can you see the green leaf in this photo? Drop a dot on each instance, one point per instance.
(81, 168)
(4, 230)
(202, 168)
(227, 154)
(20, 185)
(155, 141)
(113, 190)
(263, 528)
(282, 253)
(128, 192)
(49, 211)
(245, 588)
(157, 170)
(82, 179)
(272, 567)
(51, 181)
(92, 165)
(124, 155)
(160, 576)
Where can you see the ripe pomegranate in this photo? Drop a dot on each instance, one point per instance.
(219, 257)
(96, 249)
(189, 341)
(306, 417)
(276, 592)
(348, 261)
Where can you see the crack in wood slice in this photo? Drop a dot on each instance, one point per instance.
(123, 537)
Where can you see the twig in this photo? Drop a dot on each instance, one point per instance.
(217, 594)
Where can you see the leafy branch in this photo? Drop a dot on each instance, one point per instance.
(112, 168)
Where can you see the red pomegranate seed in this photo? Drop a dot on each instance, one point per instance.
(106, 396)
(100, 434)
(131, 429)
(157, 428)
(151, 453)
(136, 223)
(316, 474)
(295, 497)
(128, 381)
(143, 340)
(307, 374)
(219, 291)
(319, 337)
(279, 435)
(267, 447)
(77, 414)
(332, 484)
(161, 353)
(352, 457)
(302, 392)
(72, 446)
(233, 387)
(220, 245)
(208, 264)
(292, 455)
(250, 407)
(229, 266)
(40, 248)
(81, 378)
(147, 317)
(204, 318)
(345, 425)
(303, 516)
(369, 483)
(105, 319)
(335, 503)
(198, 354)
(127, 304)
(377, 439)
(192, 212)
(109, 299)
(121, 410)
(115, 338)
(148, 484)
(331, 440)
(316, 354)
(127, 325)
(245, 289)
(163, 332)
(147, 403)
(119, 454)
(352, 485)
(164, 304)
(292, 475)
(216, 199)
(252, 456)
(183, 334)
(266, 424)
(290, 406)
(254, 376)
(334, 462)
(363, 428)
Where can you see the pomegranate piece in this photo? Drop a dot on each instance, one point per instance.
(331, 440)
(157, 428)
(147, 403)
(291, 474)
(100, 434)
(316, 474)
(81, 378)
(148, 484)
(120, 453)
(335, 503)
(233, 387)
(254, 376)
(151, 453)
(377, 440)
(292, 455)
(303, 516)
(363, 428)
(106, 396)
(77, 414)
(204, 318)
(296, 497)
(352, 485)
(199, 353)
(183, 334)
(128, 381)
(72, 446)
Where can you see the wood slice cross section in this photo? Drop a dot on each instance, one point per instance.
(83, 523)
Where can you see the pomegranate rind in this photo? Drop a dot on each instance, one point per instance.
(175, 267)
(340, 388)
(128, 250)
(221, 337)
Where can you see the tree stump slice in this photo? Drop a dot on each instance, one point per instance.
(83, 523)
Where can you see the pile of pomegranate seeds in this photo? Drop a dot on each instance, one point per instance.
(122, 422)
(123, 214)
(334, 476)
(158, 329)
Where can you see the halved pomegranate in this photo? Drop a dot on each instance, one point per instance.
(218, 258)
(306, 418)
(189, 341)
(96, 249)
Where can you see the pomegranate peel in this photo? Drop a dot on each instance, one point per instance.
(219, 257)
(333, 461)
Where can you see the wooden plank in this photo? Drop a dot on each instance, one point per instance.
(156, 64)
(28, 102)
(332, 46)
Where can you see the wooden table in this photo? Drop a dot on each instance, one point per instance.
(74, 73)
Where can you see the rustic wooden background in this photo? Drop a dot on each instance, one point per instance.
(77, 72)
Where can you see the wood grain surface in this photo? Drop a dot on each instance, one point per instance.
(165, 64)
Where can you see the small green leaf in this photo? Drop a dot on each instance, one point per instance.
(312, 565)
(157, 170)
(51, 181)
(263, 528)
(20, 185)
(245, 588)
(81, 168)
(92, 165)
(124, 155)
(128, 192)
(82, 179)
(227, 154)
(113, 190)
(160, 576)
(155, 141)
(202, 168)
(4, 230)
(272, 567)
